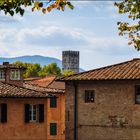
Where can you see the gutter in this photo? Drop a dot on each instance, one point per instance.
(75, 112)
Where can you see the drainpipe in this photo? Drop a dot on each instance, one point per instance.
(75, 112)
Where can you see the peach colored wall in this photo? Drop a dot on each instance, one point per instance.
(57, 115)
(16, 128)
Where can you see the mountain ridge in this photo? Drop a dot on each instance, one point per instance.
(42, 60)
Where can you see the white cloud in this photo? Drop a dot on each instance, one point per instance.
(54, 37)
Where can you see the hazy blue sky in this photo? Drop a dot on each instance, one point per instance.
(90, 28)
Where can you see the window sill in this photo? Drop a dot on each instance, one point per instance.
(33, 121)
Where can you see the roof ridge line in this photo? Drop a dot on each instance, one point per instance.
(98, 68)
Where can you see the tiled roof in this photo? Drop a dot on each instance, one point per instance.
(47, 84)
(43, 89)
(11, 91)
(126, 70)
(43, 82)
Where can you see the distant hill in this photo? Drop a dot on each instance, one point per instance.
(42, 60)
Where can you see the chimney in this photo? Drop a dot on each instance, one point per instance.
(5, 63)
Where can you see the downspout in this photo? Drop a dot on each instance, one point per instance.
(75, 112)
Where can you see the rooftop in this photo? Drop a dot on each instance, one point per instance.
(125, 70)
(48, 84)
(8, 65)
(11, 91)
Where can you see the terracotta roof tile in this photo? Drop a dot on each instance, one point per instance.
(125, 70)
(43, 82)
(11, 91)
(43, 89)
(47, 84)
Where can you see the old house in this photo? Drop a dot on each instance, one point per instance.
(56, 105)
(28, 113)
(22, 113)
(104, 103)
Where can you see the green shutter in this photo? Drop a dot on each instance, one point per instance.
(53, 129)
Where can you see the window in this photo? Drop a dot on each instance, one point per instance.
(53, 129)
(137, 97)
(2, 75)
(15, 75)
(89, 96)
(34, 113)
(53, 102)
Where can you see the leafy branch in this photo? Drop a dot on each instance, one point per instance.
(18, 6)
(131, 28)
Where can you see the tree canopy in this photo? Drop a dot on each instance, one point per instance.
(51, 69)
(131, 28)
(36, 70)
(68, 72)
(18, 6)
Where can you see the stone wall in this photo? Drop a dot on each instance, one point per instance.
(70, 61)
(113, 116)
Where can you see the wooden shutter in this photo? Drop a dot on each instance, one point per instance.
(3, 113)
(53, 129)
(27, 113)
(41, 112)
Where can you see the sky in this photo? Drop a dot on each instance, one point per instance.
(90, 28)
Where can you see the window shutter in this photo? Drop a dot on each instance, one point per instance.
(53, 129)
(41, 112)
(27, 112)
(3, 113)
(53, 102)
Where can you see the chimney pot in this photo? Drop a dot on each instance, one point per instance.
(5, 63)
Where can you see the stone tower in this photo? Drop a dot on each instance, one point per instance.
(70, 61)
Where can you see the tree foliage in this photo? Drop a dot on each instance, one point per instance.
(18, 6)
(131, 28)
(68, 72)
(35, 70)
(51, 69)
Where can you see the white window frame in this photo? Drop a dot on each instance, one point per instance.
(2, 75)
(33, 113)
(15, 74)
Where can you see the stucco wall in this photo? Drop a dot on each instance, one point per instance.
(16, 129)
(57, 115)
(113, 116)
